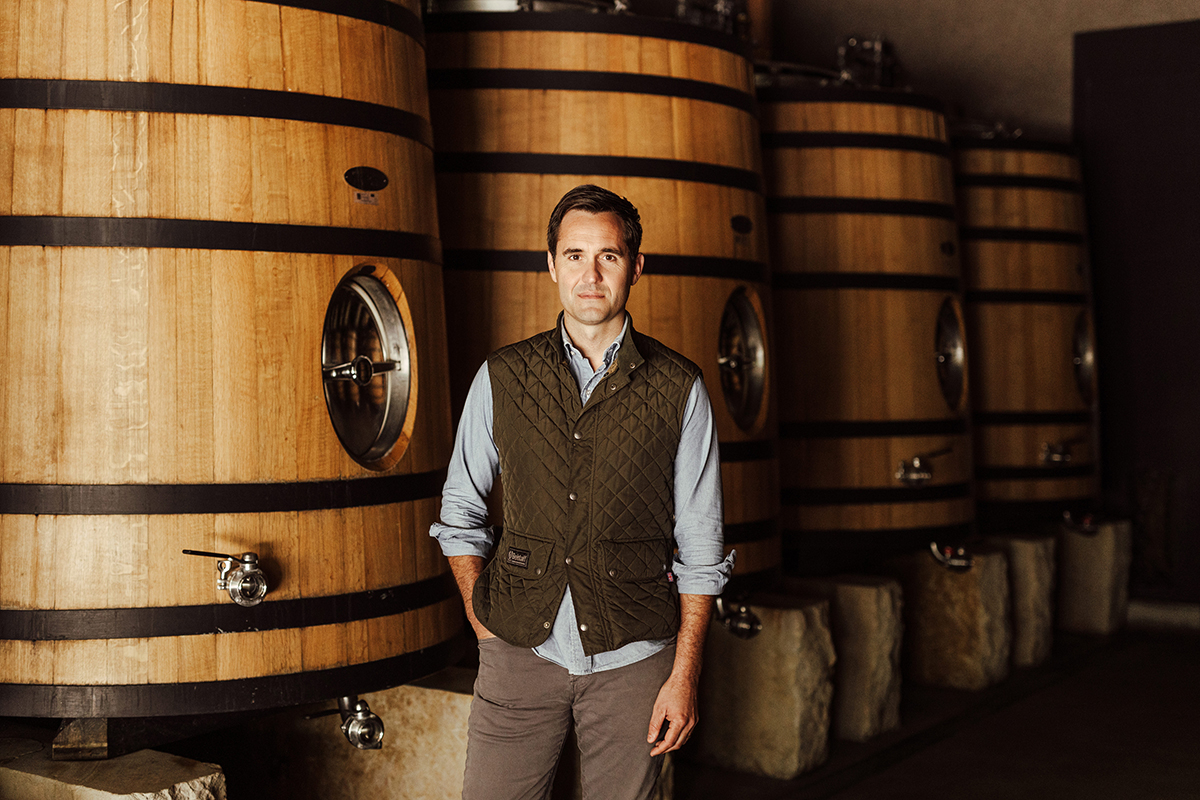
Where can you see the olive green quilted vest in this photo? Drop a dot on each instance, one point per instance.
(587, 493)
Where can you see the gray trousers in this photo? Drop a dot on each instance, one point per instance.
(522, 711)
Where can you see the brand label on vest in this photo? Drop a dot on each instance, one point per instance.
(517, 558)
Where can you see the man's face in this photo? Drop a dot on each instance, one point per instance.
(592, 268)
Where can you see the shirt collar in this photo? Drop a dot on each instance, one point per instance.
(609, 354)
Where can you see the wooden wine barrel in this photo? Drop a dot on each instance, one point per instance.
(860, 204)
(526, 106)
(1029, 317)
(179, 213)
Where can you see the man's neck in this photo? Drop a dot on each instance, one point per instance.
(593, 340)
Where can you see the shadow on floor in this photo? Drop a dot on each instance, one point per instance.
(1106, 718)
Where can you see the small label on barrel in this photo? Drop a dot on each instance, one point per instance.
(366, 198)
(517, 558)
(367, 179)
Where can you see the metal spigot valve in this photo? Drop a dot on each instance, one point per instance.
(1056, 452)
(239, 575)
(1086, 523)
(918, 471)
(738, 619)
(361, 726)
(952, 558)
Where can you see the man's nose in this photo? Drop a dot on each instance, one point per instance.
(591, 272)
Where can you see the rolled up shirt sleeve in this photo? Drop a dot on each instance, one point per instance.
(699, 511)
(474, 463)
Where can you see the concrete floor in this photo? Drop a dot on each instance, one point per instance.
(1105, 719)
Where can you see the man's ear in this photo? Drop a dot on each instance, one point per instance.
(550, 265)
(638, 263)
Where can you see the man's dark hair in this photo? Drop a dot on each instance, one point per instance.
(597, 200)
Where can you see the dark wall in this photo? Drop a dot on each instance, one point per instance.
(1137, 120)
(997, 60)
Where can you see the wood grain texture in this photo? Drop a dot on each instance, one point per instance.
(1026, 446)
(1013, 266)
(147, 366)
(223, 393)
(1024, 351)
(1047, 488)
(602, 123)
(232, 169)
(224, 657)
(877, 516)
(751, 490)
(1023, 357)
(871, 462)
(762, 555)
(865, 242)
(214, 43)
(970, 160)
(862, 355)
(499, 212)
(859, 172)
(82, 562)
(1021, 265)
(836, 115)
(595, 52)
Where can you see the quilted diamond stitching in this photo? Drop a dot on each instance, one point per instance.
(629, 480)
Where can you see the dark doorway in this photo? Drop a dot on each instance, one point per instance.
(1137, 122)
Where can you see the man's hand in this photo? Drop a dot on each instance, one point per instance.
(675, 706)
(676, 703)
(466, 571)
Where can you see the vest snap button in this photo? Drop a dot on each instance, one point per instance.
(545, 624)
(537, 571)
(568, 560)
(578, 435)
(583, 627)
(612, 387)
(572, 495)
(612, 573)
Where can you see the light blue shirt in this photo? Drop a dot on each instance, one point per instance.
(698, 565)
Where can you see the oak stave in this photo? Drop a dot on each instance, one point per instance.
(528, 106)
(861, 215)
(176, 221)
(1024, 258)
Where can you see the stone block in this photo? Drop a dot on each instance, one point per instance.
(28, 773)
(956, 625)
(765, 701)
(424, 747)
(423, 756)
(866, 619)
(1093, 576)
(1031, 571)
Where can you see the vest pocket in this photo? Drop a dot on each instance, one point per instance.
(524, 556)
(636, 560)
(641, 600)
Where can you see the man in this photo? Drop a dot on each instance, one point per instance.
(609, 454)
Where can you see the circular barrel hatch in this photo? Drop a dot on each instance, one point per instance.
(365, 367)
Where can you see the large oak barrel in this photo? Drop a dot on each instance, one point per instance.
(196, 211)
(860, 205)
(1028, 314)
(526, 106)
